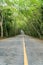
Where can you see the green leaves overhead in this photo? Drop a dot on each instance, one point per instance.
(23, 14)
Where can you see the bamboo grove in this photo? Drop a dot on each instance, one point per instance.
(22, 14)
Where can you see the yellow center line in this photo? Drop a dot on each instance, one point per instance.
(25, 54)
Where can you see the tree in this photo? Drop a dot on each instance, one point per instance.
(23, 14)
(1, 22)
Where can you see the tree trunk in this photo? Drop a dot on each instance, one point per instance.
(1, 29)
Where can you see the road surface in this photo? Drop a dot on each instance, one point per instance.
(21, 50)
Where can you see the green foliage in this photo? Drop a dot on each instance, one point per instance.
(22, 14)
(9, 22)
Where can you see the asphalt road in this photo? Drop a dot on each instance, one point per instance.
(12, 52)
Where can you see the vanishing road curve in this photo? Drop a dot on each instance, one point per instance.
(21, 50)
